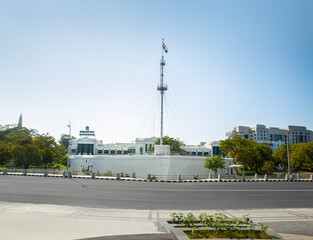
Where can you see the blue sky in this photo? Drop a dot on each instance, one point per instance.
(97, 62)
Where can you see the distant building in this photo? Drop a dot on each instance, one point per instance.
(274, 135)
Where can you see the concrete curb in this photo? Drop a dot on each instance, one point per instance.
(153, 180)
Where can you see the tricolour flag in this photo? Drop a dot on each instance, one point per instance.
(164, 47)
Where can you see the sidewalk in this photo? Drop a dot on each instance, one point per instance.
(39, 221)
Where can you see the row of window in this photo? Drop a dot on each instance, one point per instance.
(113, 152)
(198, 153)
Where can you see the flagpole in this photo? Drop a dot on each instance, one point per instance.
(162, 92)
(162, 48)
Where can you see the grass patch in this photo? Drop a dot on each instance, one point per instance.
(202, 234)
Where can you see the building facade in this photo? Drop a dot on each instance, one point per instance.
(89, 154)
(87, 144)
(274, 135)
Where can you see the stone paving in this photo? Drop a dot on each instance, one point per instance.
(40, 221)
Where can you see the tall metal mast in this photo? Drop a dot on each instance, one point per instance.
(162, 88)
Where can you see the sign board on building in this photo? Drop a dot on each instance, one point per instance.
(87, 133)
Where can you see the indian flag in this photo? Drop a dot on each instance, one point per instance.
(164, 47)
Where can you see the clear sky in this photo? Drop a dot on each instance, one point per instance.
(97, 62)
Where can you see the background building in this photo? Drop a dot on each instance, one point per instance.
(274, 135)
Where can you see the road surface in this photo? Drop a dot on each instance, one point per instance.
(156, 196)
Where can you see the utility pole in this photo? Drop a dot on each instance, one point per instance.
(288, 154)
(69, 142)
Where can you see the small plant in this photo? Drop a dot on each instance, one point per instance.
(127, 175)
(251, 227)
(203, 219)
(189, 221)
(245, 219)
(108, 173)
(263, 227)
(153, 177)
(177, 217)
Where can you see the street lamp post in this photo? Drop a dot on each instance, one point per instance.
(288, 154)
(69, 141)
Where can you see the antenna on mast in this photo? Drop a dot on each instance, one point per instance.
(162, 149)
(162, 87)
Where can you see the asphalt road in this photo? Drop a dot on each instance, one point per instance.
(149, 195)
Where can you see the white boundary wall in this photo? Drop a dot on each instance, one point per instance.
(144, 164)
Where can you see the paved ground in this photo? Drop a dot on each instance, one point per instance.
(147, 195)
(20, 221)
(57, 208)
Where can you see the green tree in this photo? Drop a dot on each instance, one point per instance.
(12, 128)
(47, 146)
(24, 147)
(308, 162)
(268, 167)
(257, 154)
(64, 140)
(214, 163)
(175, 144)
(280, 155)
(301, 156)
(232, 147)
(5, 153)
(247, 152)
(60, 155)
(26, 155)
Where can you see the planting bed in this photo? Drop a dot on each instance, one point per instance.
(217, 226)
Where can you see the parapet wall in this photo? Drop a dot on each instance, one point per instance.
(144, 164)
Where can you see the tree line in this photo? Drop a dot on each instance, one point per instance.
(24, 147)
(259, 157)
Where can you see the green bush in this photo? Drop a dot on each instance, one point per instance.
(108, 173)
(247, 173)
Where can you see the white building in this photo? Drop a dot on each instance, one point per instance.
(87, 144)
(88, 153)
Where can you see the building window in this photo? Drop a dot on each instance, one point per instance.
(278, 138)
(216, 151)
(85, 149)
